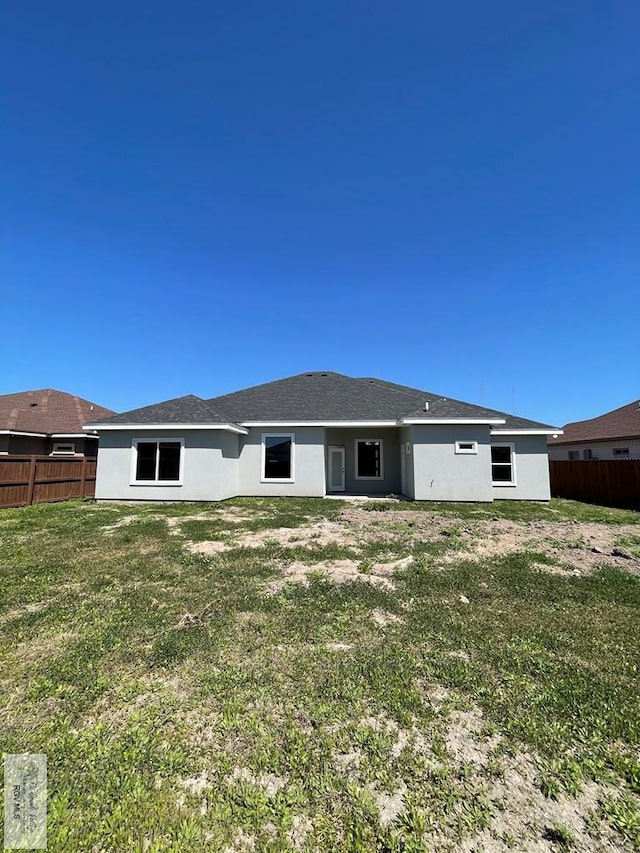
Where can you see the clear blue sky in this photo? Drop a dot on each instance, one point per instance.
(201, 196)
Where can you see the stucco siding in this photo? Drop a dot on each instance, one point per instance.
(210, 467)
(441, 474)
(308, 463)
(389, 483)
(406, 443)
(532, 469)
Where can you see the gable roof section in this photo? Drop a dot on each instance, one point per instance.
(47, 412)
(619, 423)
(182, 410)
(318, 397)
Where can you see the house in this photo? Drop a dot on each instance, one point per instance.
(48, 423)
(321, 433)
(614, 435)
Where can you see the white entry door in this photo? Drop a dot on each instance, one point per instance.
(336, 469)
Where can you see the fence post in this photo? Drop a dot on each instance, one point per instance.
(32, 480)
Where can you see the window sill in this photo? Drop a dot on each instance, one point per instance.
(504, 485)
(274, 480)
(155, 483)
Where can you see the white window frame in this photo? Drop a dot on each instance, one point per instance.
(58, 451)
(263, 459)
(503, 483)
(468, 450)
(621, 451)
(358, 441)
(154, 439)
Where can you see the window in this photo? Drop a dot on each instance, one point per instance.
(620, 451)
(66, 448)
(586, 454)
(466, 446)
(157, 461)
(369, 459)
(574, 455)
(277, 457)
(503, 465)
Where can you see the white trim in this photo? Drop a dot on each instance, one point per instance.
(74, 435)
(17, 432)
(58, 452)
(155, 439)
(428, 421)
(285, 424)
(473, 450)
(292, 437)
(131, 427)
(514, 480)
(526, 432)
(381, 443)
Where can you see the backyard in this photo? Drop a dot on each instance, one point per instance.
(321, 675)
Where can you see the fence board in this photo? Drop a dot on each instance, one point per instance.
(610, 482)
(40, 479)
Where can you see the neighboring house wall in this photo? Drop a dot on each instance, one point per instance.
(406, 440)
(26, 445)
(309, 463)
(599, 449)
(210, 467)
(532, 469)
(390, 481)
(441, 474)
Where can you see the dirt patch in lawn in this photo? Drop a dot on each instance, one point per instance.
(337, 571)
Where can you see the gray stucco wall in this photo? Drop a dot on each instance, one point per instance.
(406, 439)
(532, 469)
(309, 465)
(442, 475)
(210, 467)
(390, 483)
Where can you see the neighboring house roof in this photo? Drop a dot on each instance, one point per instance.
(47, 412)
(619, 423)
(321, 396)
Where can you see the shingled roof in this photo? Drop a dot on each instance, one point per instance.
(619, 423)
(48, 411)
(319, 396)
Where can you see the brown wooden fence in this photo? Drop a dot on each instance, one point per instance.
(610, 482)
(26, 480)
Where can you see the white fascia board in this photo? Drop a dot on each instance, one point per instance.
(73, 435)
(526, 432)
(19, 432)
(472, 421)
(143, 427)
(283, 424)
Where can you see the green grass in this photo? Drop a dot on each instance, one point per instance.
(182, 708)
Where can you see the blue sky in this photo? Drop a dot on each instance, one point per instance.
(199, 196)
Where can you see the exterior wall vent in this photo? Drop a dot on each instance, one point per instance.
(426, 405)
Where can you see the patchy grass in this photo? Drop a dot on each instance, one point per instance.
(247, 700)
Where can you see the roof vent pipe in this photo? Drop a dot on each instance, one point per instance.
(426, 405)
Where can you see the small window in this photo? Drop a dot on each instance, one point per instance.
(277, 458)
(369, 459)
(586, 454)
(574, 455)
(466, 446)
(158, 461)
(503, 469)
(620, 451)
(67, 448)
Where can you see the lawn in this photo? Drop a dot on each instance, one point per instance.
(312, 675)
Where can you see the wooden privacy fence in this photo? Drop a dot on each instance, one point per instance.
(26, 480)
(610, 482)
